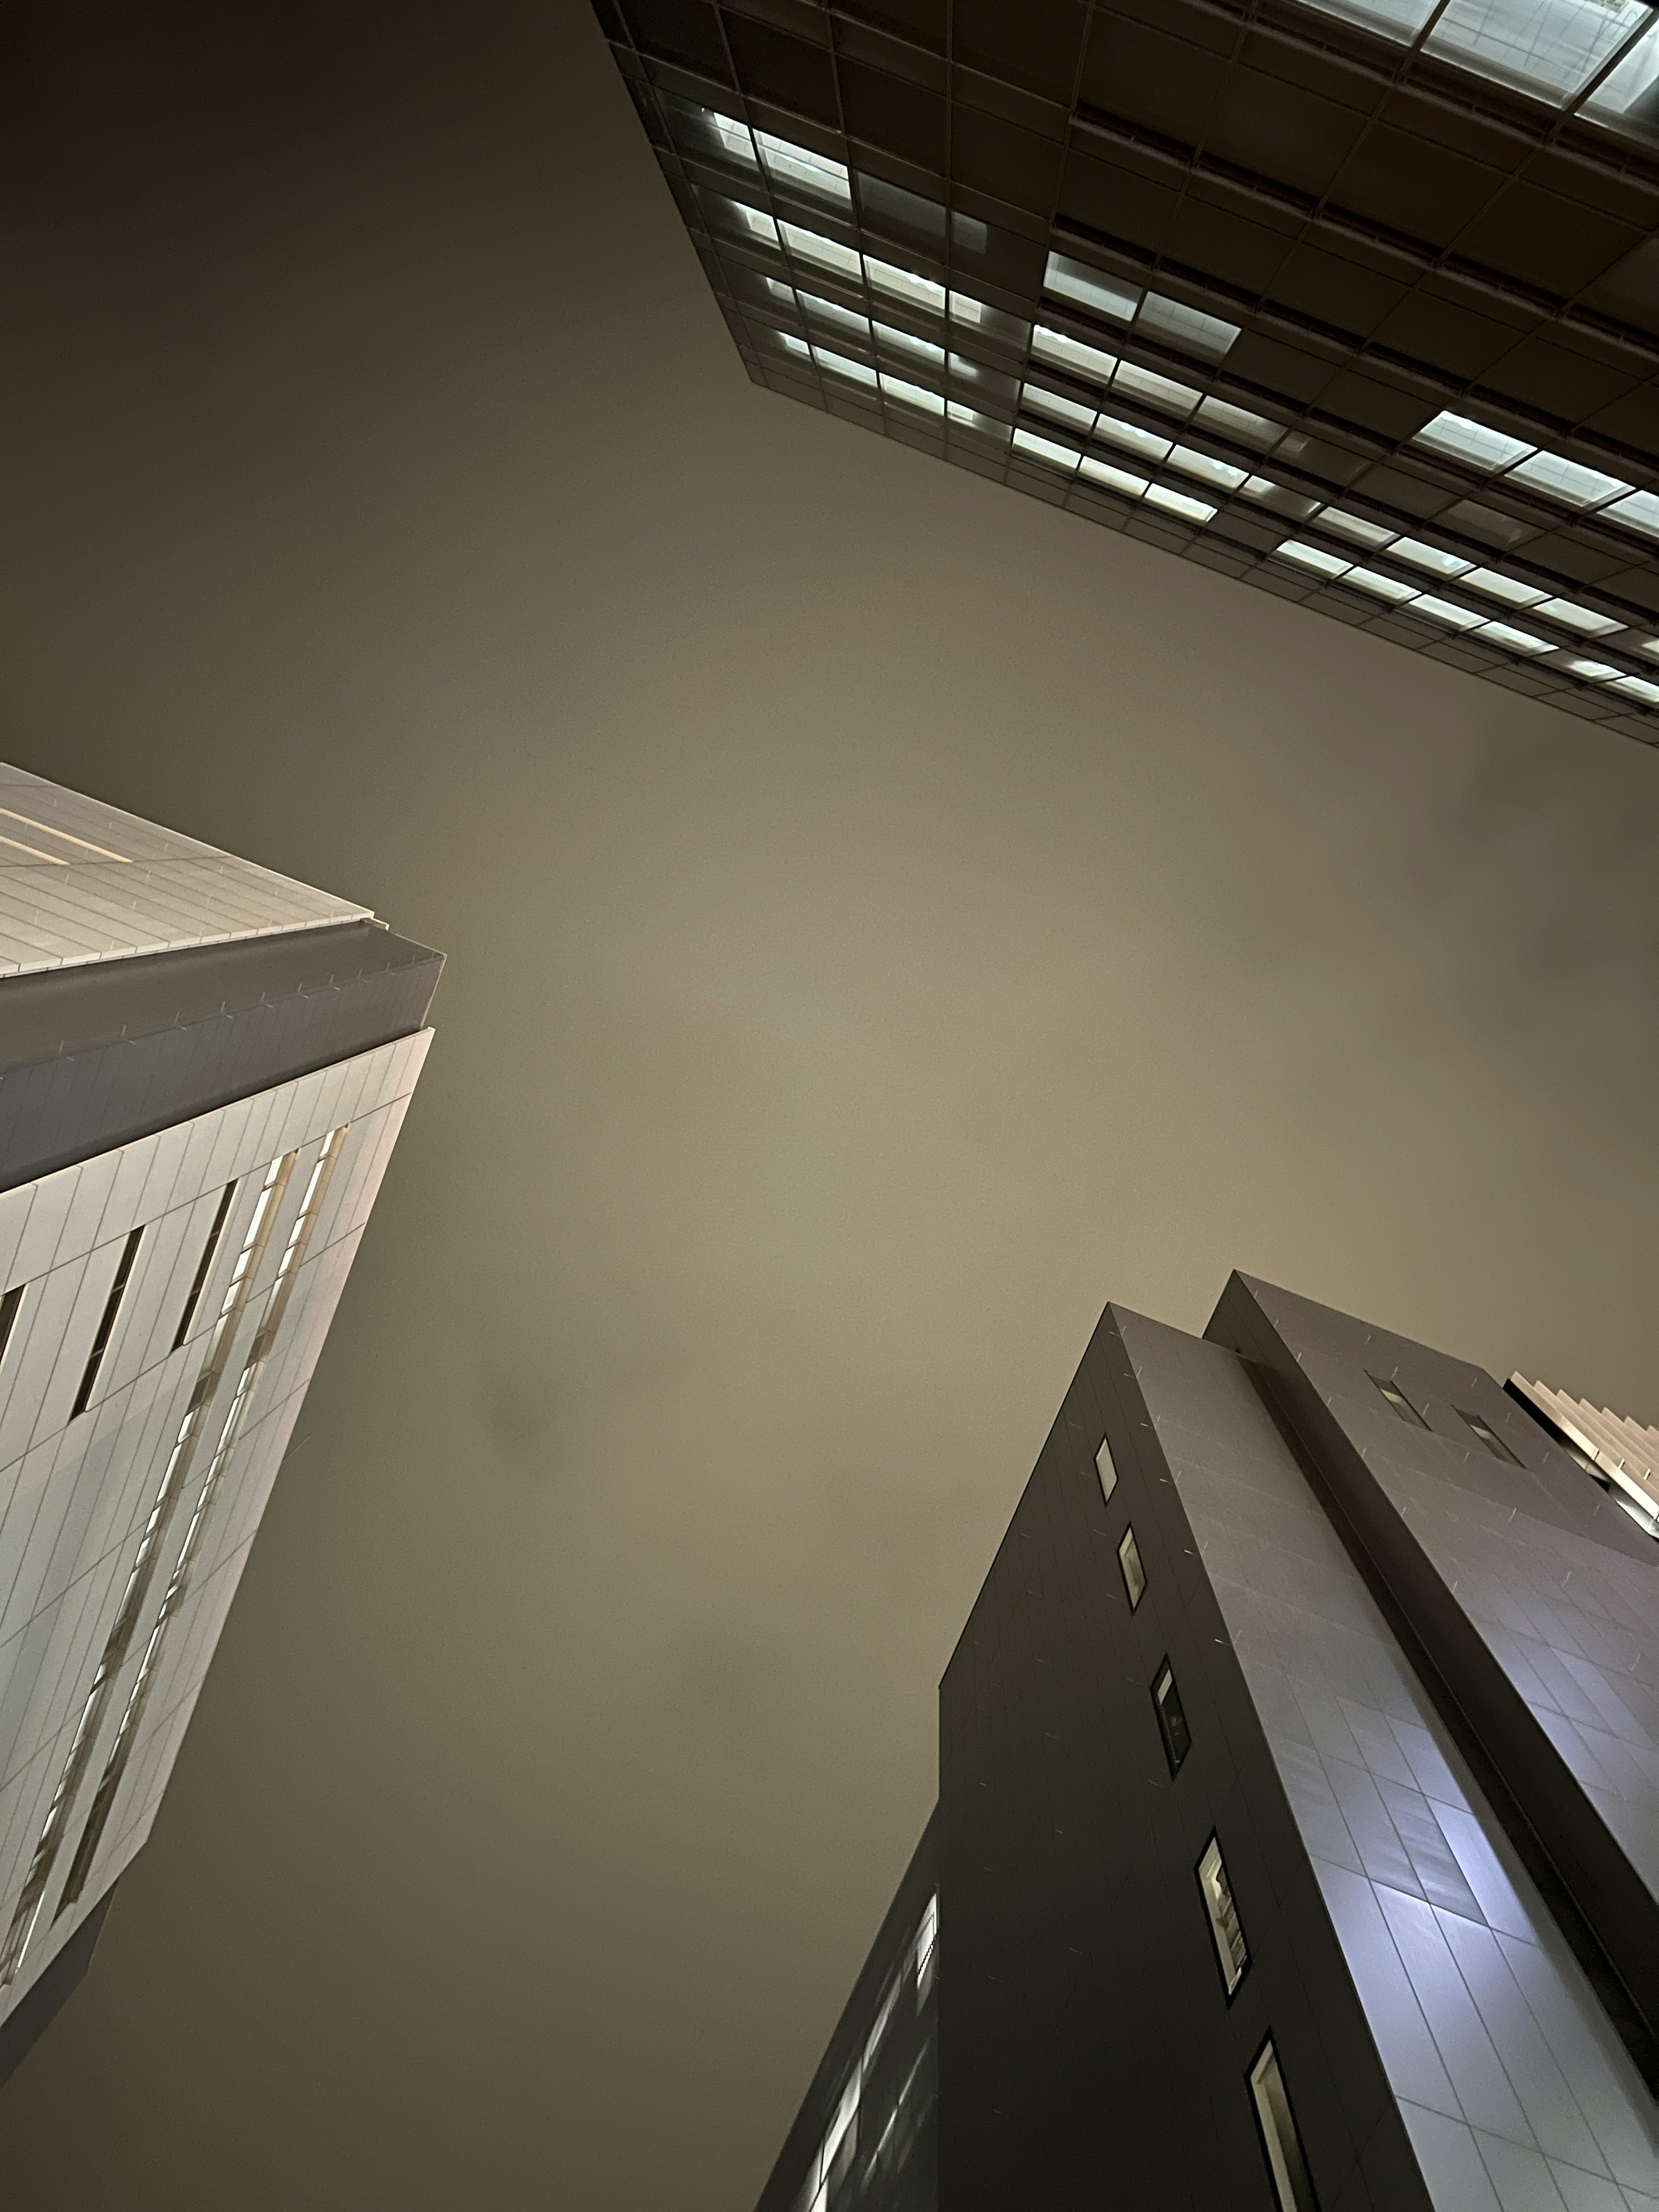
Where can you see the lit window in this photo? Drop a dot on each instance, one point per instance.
(808, 171)
(751, 220)
(1280, 2139)
(1105, 1467)
(1472, 442)
(839, 365)
(1058, 410)
(1380, 586)
(1354, 526)
(1102, 472)
(1186, 327)
(1637, 687)
(1089, 288)
(1561, 479)
(1312, 557)
(1134, 1575)
(1573, 617)
(1177, 502)
(838, 318)
(1203, 464)
(1160, 392)
(1488, 1437)
(203, 1264)
(1639, 511)
(827, 252)
(970, 419)
(1232, 1953)
(903, 341)
(912, 395)
(1503, 587)
(1131, 437)
(1596, 672)
(106, 1326)
(1264, 490)
(8, 1310)
(1401, 1404)
(1087, 361)
(905, 284)
(1444, 611)
(1430, 557)
(966, 309)
(1514, 641)
(733, 135)
(1171, 1718)
(1044, 449)
(1239, 422)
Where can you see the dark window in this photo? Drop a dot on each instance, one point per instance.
(8, 1306)
(1401, 1404)
(1495, 1445)
(204, 1264)
(1171, 1719)
(1280, 2139)
(112, 1306)
(1134, 1575)
(1233, 1952)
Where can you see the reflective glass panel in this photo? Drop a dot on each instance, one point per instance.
(1232, 1953)
(1472, 443)
(1091, 287)
(1552, 47)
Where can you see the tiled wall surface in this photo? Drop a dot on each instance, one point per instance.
(81, 881)
(75, 1493)
(1518, 2095)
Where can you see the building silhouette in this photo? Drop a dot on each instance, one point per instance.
(204, 1067)
(1356, 301)
(1298, 1834)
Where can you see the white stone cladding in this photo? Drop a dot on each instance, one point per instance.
(75, 1493)
(81, 881)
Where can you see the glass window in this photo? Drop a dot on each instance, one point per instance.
(838, 318)
(200, 1279)
(1503, 587)
(749, 219)
(856, 372)
(1514, 641)
(806, 171)
(1204, 466)
(1561, 479)
(1313, 556)
(1550, 47)
(1280, 2139)
(1488, 1437)
(1050, 404)
(1131, 437)
(1444, 611)
(1160, 392)
(1186, 327)
(827, 252)
(8, 1308)
(1573, 617)
(1087, 361)
(1472, 443)
(1266, 493)
(1106, 1468)
(1091, 287)
(1380, 586)
(1637, 687)
(903, 341)
(1239, 422)
(1430, 557)
(905, 284)
(1639, 511)
(1597, 671)
(966, 309)
(1134, 1575)
(1354, 526)
(912, 395)
(1232, 1953)
(1401, 1404)
(1177, 502)
(1171, 1718)
(1102, 472)
(106, 1326)
(1620, 96)
(1044, 449)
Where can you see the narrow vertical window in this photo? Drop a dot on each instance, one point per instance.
(1233, 1952)
(204, 1264)
(1134, 1575)
(1494, 1443)
(1401, 1404)
(106, 1326)
(1105, 1468)
(8, 1308)
(1280, 2139)
(1171, 1718)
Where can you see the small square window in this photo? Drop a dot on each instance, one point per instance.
(1493, 1442)
(1171, 1718)
(1134, 1575)
(1401, 1404)
(1232, 1951)
(1285, 2161)
(1106, 1468)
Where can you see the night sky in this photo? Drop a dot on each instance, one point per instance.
(886, 919)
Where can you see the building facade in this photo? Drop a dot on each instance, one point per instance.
(1298, 1838)
(204, 1067)
(1356, 301)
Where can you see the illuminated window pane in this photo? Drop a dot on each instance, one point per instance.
(1050, 404)
(1380, 586)
(1488, 1437)
(1232, 1953)
(1576, 617)
(1503, 587)
(838, 365)
(1561, 479)
(905, 284)
(912, 395)
(826, 252)
(1239, 422)
(1550, 47)
(1312, 557)
(1159, 392)
(1280, 2139)
(1445, 610)
(1090, 289)
(1639, 511)
(1400, 1403)
(1134, 1575)
(1206, 466)
(1430, 557)
(805, 171)
(1171, 1719)
(1177, 502)
(1131, 437)
(1473, 443)
(1044, 449)
(1106, 1468)
(1514, 641)
(1638, 687)
(1595, 671)
(1087, 361)
(1102, 472)
(1354, 526)
(1183, 326)
(903, 341)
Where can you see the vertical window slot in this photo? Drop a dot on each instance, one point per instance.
(205, 1264)
(1285, 2161)
(1401, 1404)
(8, 1307)
(106, 1326)
(1105, 1467)
(1233, 1952)
(1171, 1718)
(1134, 1575)
(1493, 1442)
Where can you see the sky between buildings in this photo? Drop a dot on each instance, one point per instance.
(887, 918)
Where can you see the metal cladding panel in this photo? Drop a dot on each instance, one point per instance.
(1088, 2046)
(1534, 1596)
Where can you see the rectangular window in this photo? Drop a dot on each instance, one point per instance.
(1171, 1719)
(1134, 1575)
(1233, 1952)
(106, 1326)
(8, 1308)
(1494, 1444)
(204, 1264)
(1106, 1468)
(1280, 2139)
(1401, 1404)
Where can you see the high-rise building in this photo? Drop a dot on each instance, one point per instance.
(204, 1067)
(1297, 1836)
(1356, 301)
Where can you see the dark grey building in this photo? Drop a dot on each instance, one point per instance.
(1357, 300)
(1297, 1838)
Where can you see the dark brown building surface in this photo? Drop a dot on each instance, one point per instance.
(1357, 302)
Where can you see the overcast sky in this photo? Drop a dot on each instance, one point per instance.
(886, 919)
